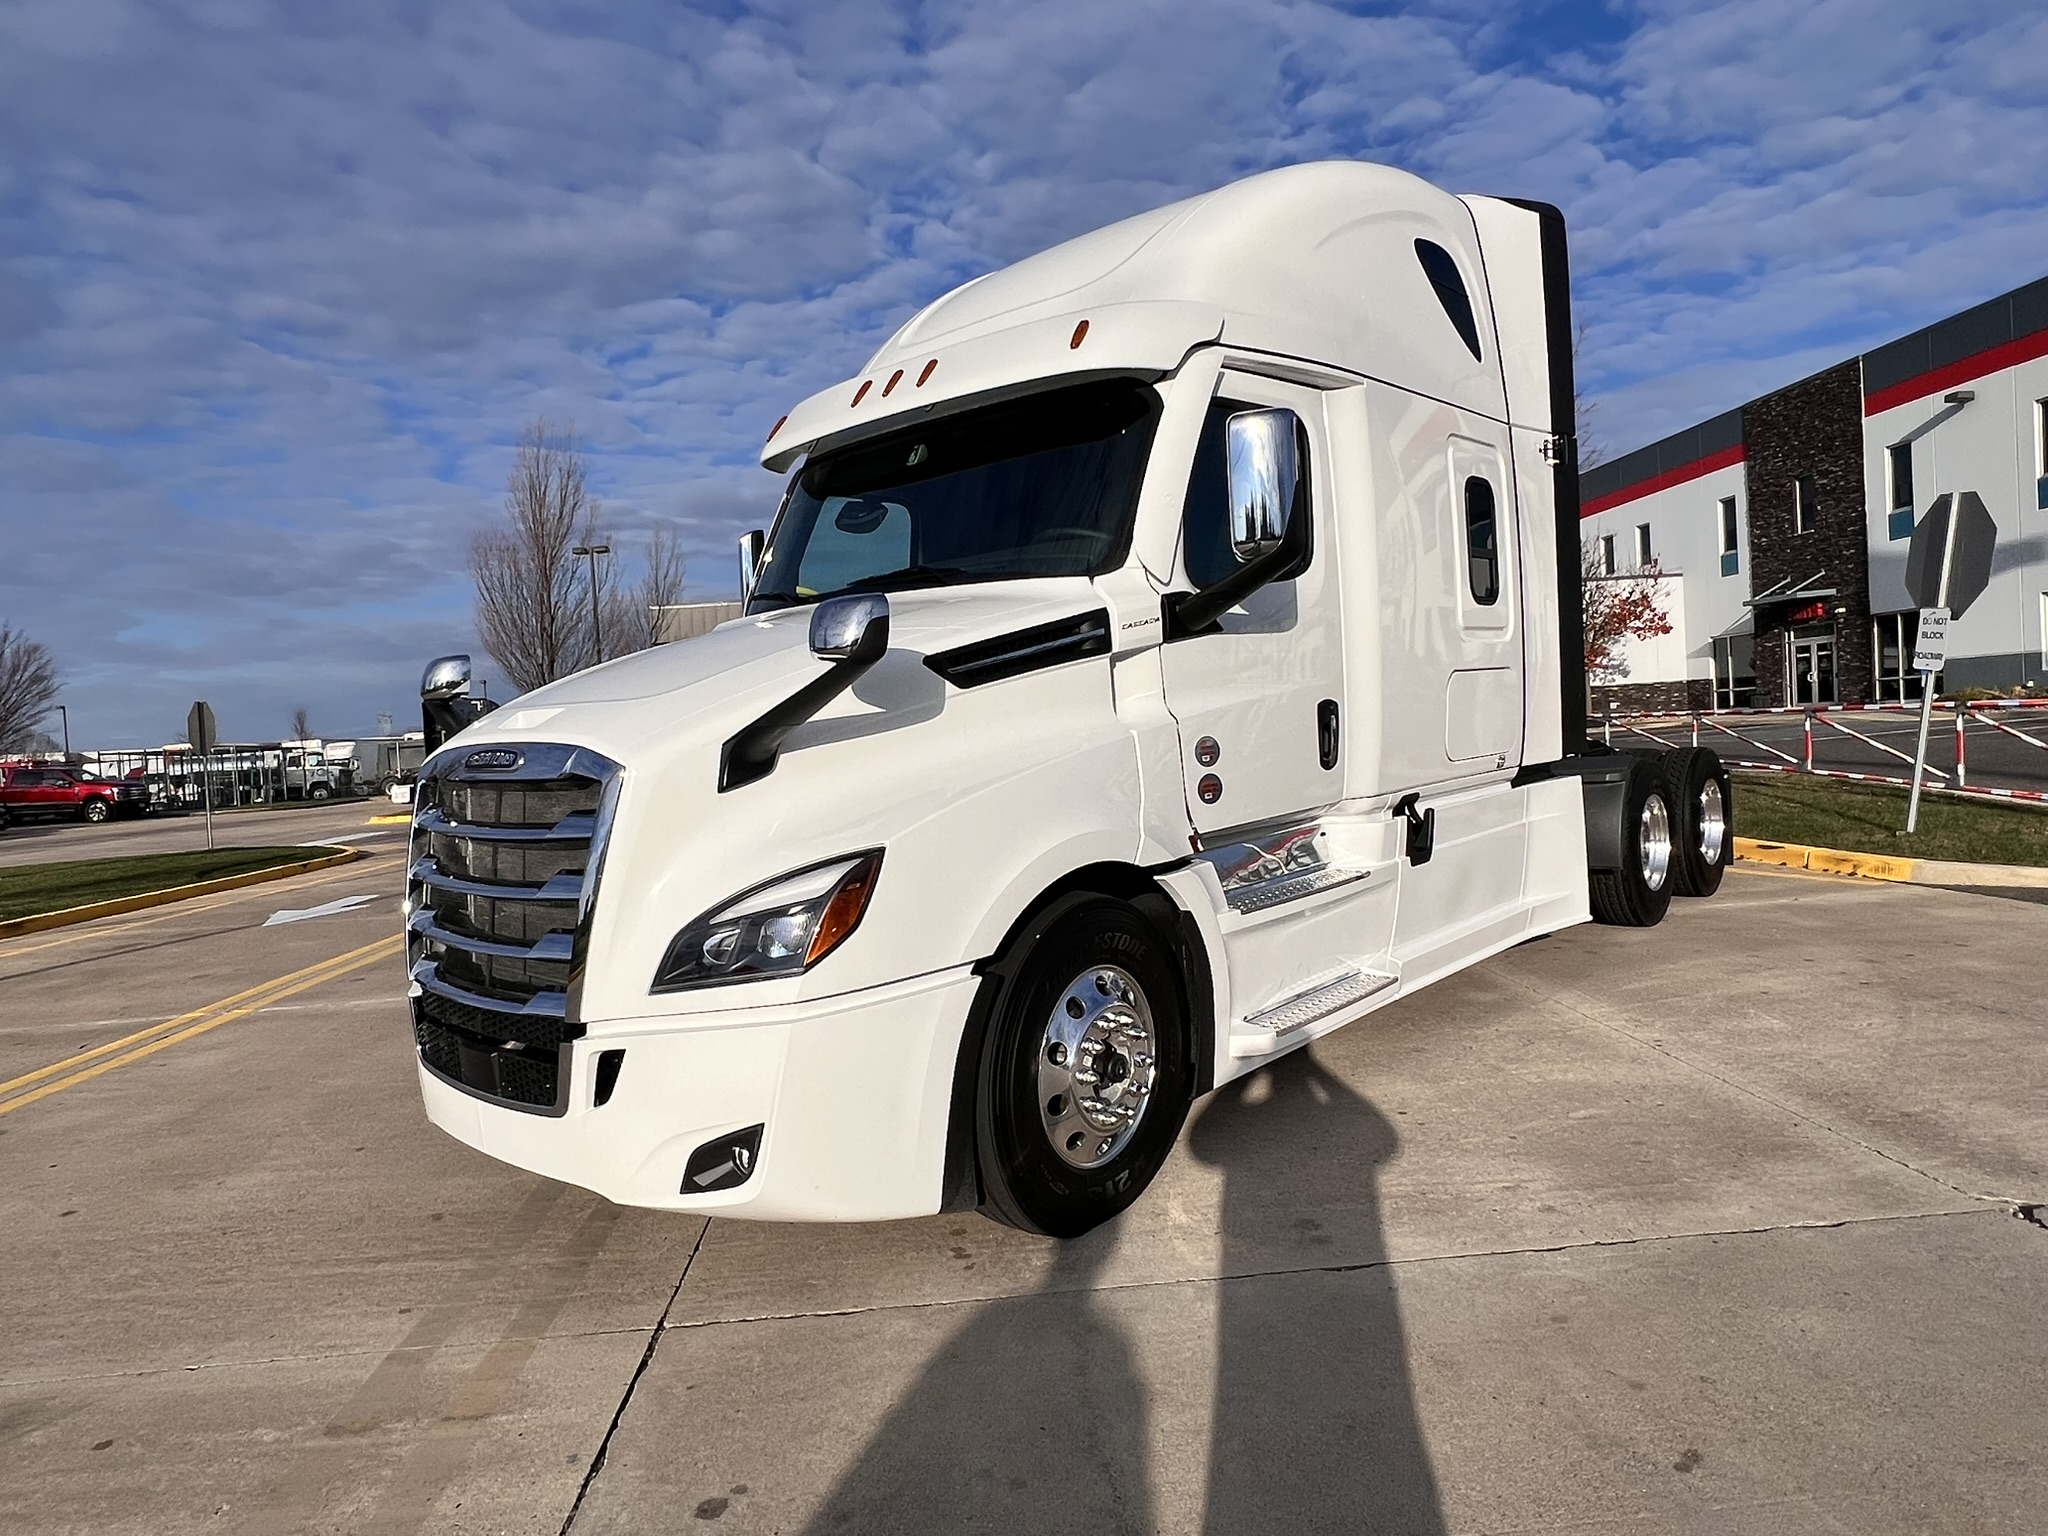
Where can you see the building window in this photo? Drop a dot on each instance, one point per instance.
(1898, 464)
(1642, 545)
(1606, 554)
(1734, 672)
(1892, 637)
(2041, 453)
(1804, 514)
(1731, 561)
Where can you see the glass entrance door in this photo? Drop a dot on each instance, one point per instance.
(1813, 668)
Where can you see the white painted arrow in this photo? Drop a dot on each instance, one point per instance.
(328, 909)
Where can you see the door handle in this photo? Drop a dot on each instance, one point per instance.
(1327, 741)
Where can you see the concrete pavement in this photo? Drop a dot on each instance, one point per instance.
(1702, 1229)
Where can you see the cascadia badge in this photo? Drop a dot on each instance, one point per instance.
(496, 759)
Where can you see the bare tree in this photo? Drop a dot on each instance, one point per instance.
(1591, 449)
(28, 685)
(302, 724)
(533, 601)
(662, 586)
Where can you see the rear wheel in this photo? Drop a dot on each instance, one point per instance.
(1703, 801)
(1638, 894)
(97, 810)
(1085, 1072)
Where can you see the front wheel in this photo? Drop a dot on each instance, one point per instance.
(97, 810)
(1085, 1073)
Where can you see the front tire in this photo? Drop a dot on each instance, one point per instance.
(97, 811)
(1638, 894)
(1085, 1073)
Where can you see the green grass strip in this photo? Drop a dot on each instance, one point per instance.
(30, 889)
(1867, 818)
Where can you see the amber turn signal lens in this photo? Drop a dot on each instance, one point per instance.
(1080, 335)
(843, 912)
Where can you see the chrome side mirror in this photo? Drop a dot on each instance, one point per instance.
(854, 627)
(1265, 471)
(445, 677)
(751, 545)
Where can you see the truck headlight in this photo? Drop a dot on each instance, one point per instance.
(781, 928)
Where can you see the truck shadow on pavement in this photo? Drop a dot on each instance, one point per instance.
(1036, 1417)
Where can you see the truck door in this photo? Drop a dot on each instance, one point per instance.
(1257, 702)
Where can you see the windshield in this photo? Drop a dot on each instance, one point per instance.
(1043, 486)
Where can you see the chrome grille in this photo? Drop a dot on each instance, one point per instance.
(502, 874)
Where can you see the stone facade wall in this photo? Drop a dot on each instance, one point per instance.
(1813, 428)
(1678, 697)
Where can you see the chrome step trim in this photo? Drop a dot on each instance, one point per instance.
(1261, 895)
(558, 946)
(545, 1005)
(1320, 1000)
(558, 888)
(577, 827)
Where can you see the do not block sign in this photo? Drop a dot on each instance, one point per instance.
(1930, 650)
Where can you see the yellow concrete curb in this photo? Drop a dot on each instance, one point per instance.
(401, 819)
(37, 922)
(1882, 866)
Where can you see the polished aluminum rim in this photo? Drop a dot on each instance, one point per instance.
(1713, 822)
(1655, 838)
(1095, 1066)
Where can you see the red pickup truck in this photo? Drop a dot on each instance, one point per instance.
(29, 790)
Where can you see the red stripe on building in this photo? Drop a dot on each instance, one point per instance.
(2009, 354)
(1663, 482)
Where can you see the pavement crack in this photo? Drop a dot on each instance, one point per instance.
(661, 1325)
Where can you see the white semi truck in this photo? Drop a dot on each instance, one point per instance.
(1166, 652)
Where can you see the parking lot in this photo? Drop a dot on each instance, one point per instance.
(1709, 1228)
(49, 842)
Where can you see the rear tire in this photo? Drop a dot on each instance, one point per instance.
(1703, 801)
(1638, 894)
(1085, 1073)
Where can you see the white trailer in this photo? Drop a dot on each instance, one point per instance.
(1166, 652)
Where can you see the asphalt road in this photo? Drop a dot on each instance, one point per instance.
(49, 842)
(1991, 757)
(1701, 1229)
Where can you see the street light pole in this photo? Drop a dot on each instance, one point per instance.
(65, 715)
(596, 625)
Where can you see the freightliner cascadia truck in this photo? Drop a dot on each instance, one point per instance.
(1166, 651)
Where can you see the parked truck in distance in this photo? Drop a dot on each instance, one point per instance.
(1167, 651)
(54, 791)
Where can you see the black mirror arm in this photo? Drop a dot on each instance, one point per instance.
(1196, 613)
(750, 753)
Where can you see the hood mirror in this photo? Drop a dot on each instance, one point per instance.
(751, 545)
(1265, 473)
(445, 678)
(854, 627)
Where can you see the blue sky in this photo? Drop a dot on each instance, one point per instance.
(279, 283)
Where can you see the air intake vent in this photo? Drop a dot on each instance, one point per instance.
(1024, 650)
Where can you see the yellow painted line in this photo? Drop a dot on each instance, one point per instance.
(403, 818)
(38, 921)
(226, 1011)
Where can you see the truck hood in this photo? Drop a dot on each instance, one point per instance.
(710, 686)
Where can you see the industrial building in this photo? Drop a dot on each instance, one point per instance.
(1781, 527)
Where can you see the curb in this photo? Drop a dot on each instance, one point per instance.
(37, 922)
(1880, 866)
(391, 821)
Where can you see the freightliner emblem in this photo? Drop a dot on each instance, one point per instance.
(498, 759)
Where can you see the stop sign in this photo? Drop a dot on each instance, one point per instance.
(1964, 559)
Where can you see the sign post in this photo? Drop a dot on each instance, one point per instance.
(1948, 567)
(199, 730)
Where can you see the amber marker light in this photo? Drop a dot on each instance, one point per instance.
(780, 423)
(1080, 335)
(894, 379)
(862, 393)
(843, 912)
(926, 372)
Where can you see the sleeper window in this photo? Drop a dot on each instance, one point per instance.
(1482, 541)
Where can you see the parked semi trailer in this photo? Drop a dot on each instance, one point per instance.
(1167, 651)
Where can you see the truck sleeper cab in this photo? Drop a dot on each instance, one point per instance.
(1166, 652)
